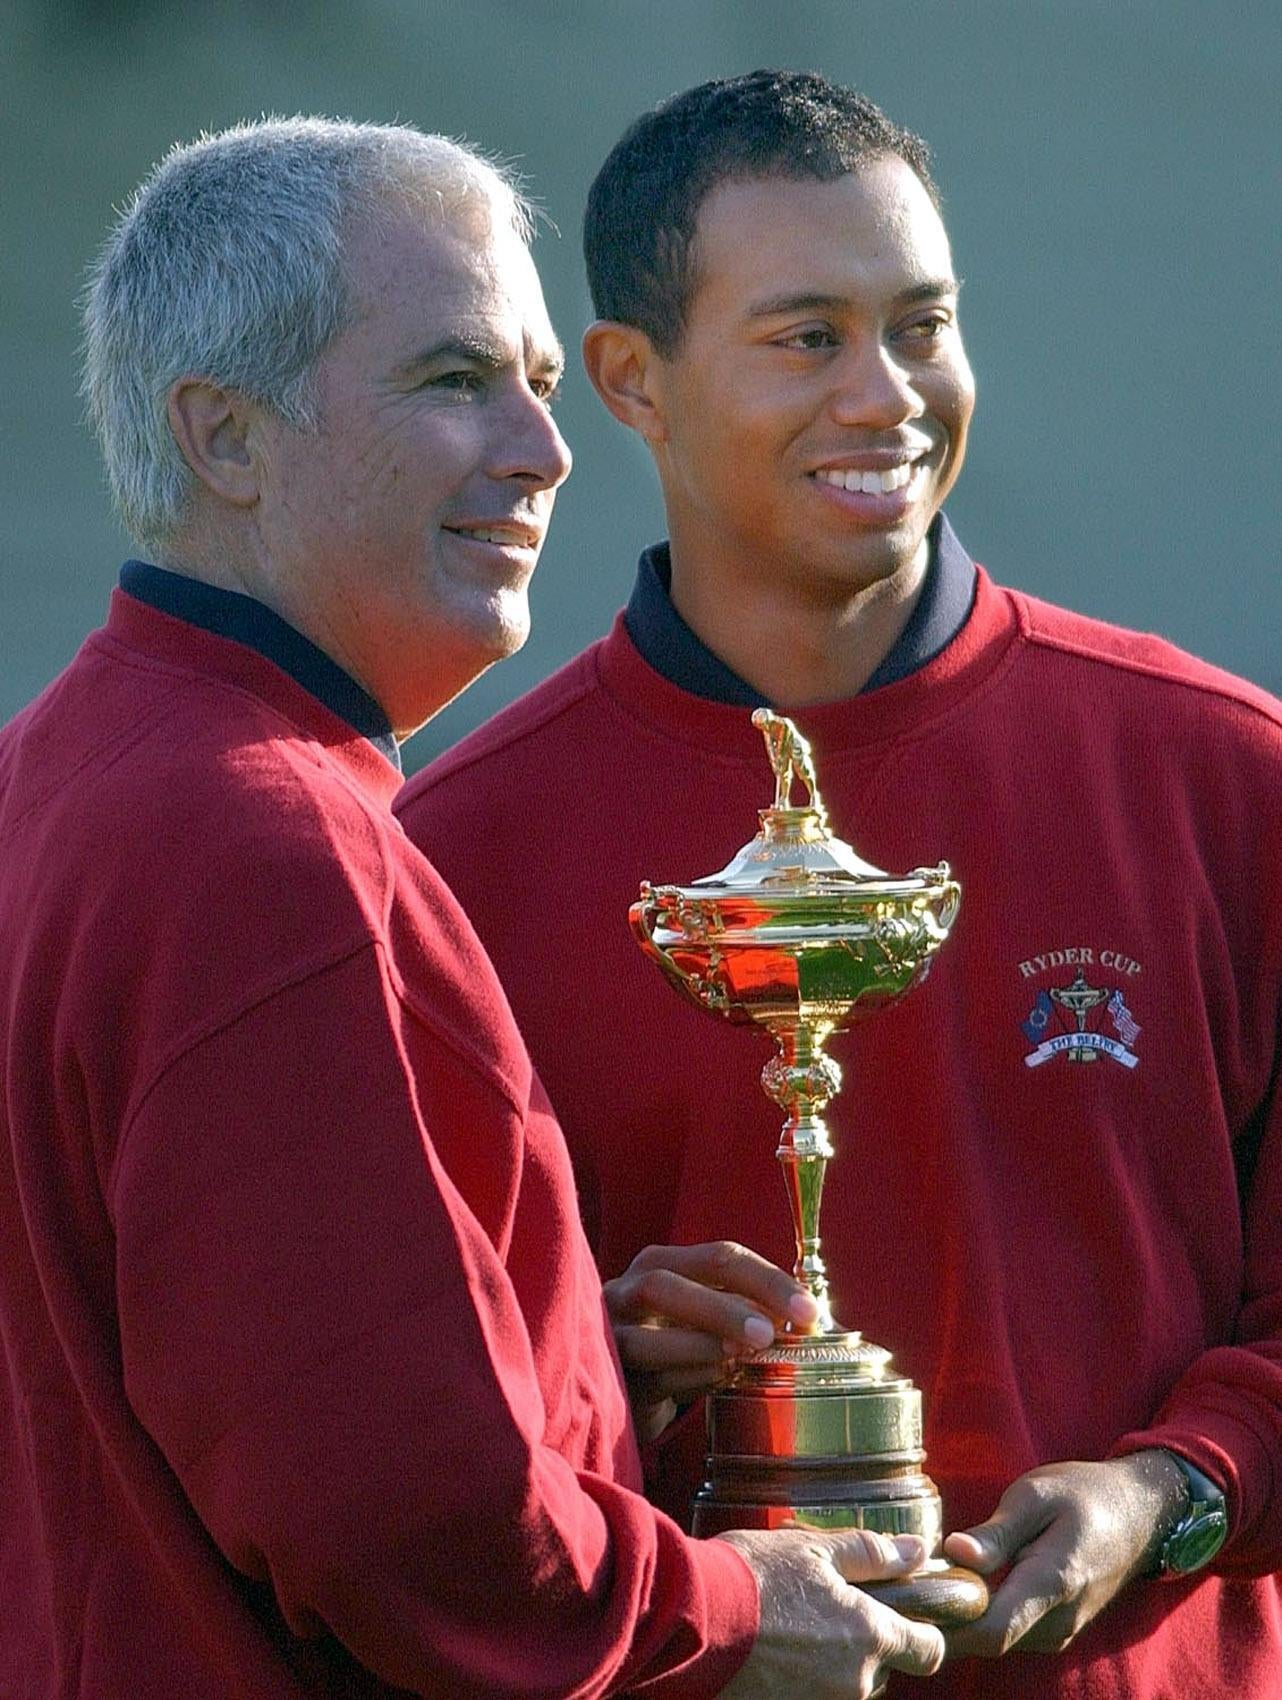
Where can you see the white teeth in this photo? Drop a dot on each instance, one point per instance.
(870, 483)
(489, 535)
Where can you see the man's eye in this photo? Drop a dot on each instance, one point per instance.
(928, 329)
(813, 336)
(460, 382)
(548, 390)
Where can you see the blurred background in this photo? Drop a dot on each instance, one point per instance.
(1112, 173)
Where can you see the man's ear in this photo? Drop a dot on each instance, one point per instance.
(624, 369)
(212, 426)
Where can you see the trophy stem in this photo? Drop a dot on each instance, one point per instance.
(801, 1079)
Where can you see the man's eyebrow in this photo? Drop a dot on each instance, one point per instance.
(931, 290)
(473, 348)
(817, 301)
(480, 351)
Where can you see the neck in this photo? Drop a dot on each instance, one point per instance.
(798, 648)
(241, 564)
(201, 551)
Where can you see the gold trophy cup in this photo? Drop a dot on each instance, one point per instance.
(800, 936)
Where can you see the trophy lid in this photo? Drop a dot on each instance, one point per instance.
(795, 847)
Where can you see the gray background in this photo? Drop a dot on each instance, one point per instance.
(1111, 175)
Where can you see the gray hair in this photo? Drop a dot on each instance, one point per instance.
(228, 264)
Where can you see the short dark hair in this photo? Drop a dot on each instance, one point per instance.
(638, 231)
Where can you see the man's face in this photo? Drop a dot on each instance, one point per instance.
(402, 535)
(814, 415)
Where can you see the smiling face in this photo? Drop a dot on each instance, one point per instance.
(814, 414)
(402, 534)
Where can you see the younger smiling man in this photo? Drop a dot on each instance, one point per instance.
(1072, 1240)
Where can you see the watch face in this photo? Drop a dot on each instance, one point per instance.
(1197, 1542)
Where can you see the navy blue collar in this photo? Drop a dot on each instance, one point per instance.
(672, 649)
(245, 620)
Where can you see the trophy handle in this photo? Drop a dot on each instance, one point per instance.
(943, 902)
(641, 916)
(940, 1593)
(949, 904)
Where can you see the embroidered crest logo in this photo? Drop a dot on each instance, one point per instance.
(1064, 1022)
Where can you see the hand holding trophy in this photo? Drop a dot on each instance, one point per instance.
(800, 936)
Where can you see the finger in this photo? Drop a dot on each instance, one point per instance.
(864, 1555)
(733, 1268)
(1051, 1633)
(647, 1349)
(1027, 1595)
(690, 1383)
(683, 1384)
(675, 1299)
(679, 1382)
(917, 1649)
(964, 1548)
(986, 1547)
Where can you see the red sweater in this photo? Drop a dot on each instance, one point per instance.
(1056, 1253)
(306, 1386)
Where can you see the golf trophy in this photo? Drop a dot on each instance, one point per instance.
(800, 936)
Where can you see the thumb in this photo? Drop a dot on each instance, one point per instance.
(862, 1555)
(987, 1546)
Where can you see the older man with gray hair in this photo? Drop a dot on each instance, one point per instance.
(307, 1388)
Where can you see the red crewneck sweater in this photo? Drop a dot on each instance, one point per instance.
(306, 1386)
(1071, 1259)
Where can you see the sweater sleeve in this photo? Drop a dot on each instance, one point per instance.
(1225, 1412)
(324, 1342)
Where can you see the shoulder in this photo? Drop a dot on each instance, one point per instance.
(1141, 655)
(196, 809)
(1141, 669)
(249, 794)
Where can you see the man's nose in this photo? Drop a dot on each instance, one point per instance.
(874, 389)
(528, 443)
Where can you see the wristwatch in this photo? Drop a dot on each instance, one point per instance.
(1199, 1530)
